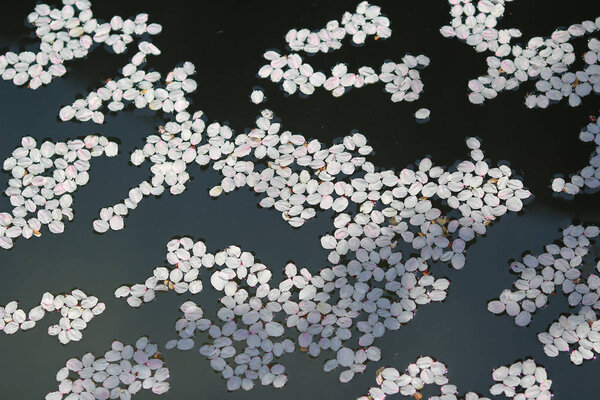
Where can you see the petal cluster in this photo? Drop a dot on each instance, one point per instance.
(244, 342)
(66, 34)
(562, 267)
(521, 380)
(402, 80)
(424, 372)
(76, 309)
(323, 311)
(550, 61)
(139, 87)
(120, 373)
(42, 182)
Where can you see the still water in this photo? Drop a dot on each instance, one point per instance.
(225, 40)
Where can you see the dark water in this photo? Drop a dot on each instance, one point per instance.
(225, 40)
